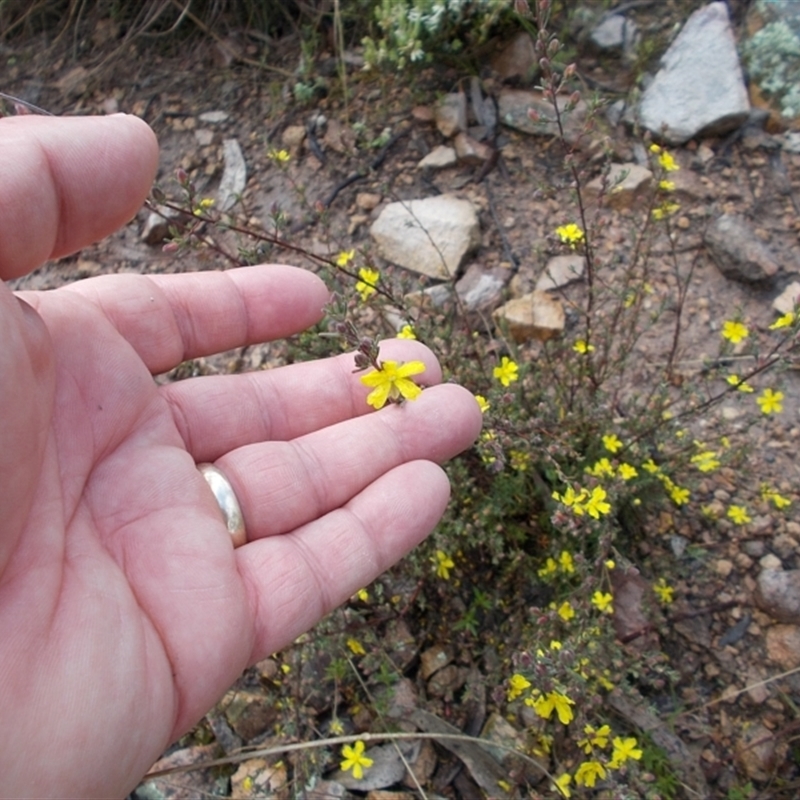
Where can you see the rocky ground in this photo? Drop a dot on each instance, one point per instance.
(733, 634)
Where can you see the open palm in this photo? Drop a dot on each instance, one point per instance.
(125, 612)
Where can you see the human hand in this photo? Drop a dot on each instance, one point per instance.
(125, 611)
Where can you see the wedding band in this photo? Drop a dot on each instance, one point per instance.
(228, 504)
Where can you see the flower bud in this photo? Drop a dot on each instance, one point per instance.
(570, 71)
(170, 247)
(181, 176)
(553, 47)
(533, 115)
(522, 7)
(544, 63)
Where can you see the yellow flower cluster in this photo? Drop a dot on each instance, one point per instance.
(565, 563)
(594, 504)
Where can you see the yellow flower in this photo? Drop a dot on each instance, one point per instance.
(603, 602)
(355, 760)
(602, 467)
(506, 371)
(517, 685)
(594, 738)
(665, 210)
(624, 749)
(392, 381)
(335, 727)
(734, 331)
(770, 402)
(667, 162)
(664, 591)
(610, 563)
(566, 611)
(562, 784)
(612, 443)
(570, 234)
(356, 648)
(549, 568)
(589, 772)
(783, 322)
(571, 499)
(345, 257)
(627, 471)
(581, 347)
(666, 186)
(366, 286)
(555, 645)
(203, 205)
(443, 565)
(406, 332)
(705, 461)
(279, 156)
(775, 497)
(483, 403)
(596, 504)
(739, 515)
(566, 562)
(520, 460)
(554, 701)
(742, 386)
(651, 466)
(362, 595)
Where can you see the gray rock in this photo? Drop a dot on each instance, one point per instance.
(514, 105)
(615, 34)
(234, 175)
(517, 59)
(699, 88)
(624, 185)
(778, 594)
(156, 227)
(214, 117)
(757, 752)
(440, 157)
(430, 237)
(787, 299)
(471, 151)
(736, 250)
(560, 271)
(451, 114)
(481, 288)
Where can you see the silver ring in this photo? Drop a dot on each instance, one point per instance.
(228, 504)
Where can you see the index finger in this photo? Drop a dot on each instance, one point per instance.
(67, 182)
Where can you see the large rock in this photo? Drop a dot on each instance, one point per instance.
(736, 250)
(624, 185)
(783, 645)
(778, 593)
(430, 236)
(537, 315)
(531, 112)
(560, 271)
(699, 89)
(451, 114)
